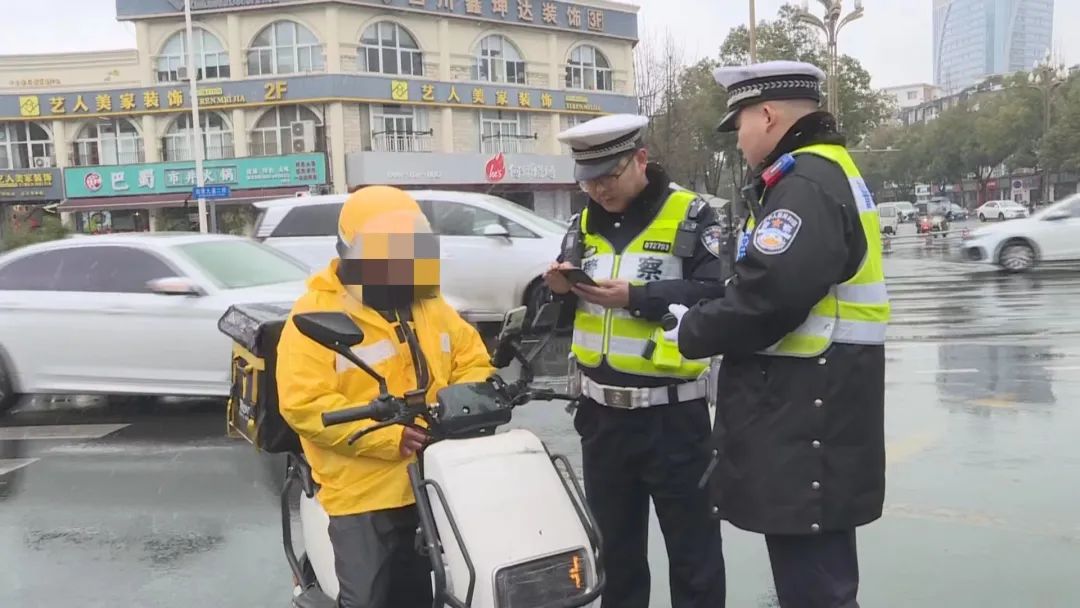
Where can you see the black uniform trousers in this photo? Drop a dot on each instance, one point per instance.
(815, 571)
(660, 452)
(376, 560)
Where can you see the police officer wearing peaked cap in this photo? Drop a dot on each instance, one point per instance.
(643, 415)
(799, 427)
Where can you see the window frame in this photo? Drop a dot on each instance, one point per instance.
(88, 148)
(589, 73)
(295, 51)
(494, 143)
(174, 60)
(17, 137)
(176, 143)
(488, 67)
(279, 130)
(379, 49)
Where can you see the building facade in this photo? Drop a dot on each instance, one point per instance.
(911, 95)
(325, 95)
(974, 39)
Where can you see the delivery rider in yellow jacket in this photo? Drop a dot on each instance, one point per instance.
(387, 279)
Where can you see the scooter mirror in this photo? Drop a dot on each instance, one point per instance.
(546, 318)
(334, 330)
(513, 321)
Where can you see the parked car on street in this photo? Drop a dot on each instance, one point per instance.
(1001, 210)
(130, 314)
(1051, 235)
(494, 251)
(957, 213)
(906, 210)
(889, 219)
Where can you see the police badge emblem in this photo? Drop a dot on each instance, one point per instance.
(776, 232)
(712, 238)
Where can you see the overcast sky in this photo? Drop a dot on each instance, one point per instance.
(892, 40)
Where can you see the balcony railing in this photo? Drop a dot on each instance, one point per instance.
(402, 141)
(508, 144)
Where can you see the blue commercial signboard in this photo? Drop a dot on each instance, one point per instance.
(164, 178)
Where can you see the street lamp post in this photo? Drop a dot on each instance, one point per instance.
(196, 128)
(831, 25)
(1045, 77)
(753, 31)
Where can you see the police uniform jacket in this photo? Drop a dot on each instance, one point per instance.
(703, 272)
(799, 442)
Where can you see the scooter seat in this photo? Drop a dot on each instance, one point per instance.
(313, 597)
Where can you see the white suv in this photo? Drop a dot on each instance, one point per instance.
(493, 251)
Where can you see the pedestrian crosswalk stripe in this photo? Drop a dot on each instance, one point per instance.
(8, 465)
(59, 431)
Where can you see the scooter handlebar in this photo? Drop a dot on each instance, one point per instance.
(376, 410)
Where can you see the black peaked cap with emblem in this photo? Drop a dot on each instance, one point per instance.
(599, 145)
(773, 80)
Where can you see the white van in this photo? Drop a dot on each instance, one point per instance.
(888, 218)
(493, 251)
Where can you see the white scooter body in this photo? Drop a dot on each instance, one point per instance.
(509, 504)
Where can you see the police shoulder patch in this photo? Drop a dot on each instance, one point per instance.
(777, 231)
(712, 237)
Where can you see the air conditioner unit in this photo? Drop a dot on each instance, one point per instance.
(303, 136)
(182, 73)
(43, 162)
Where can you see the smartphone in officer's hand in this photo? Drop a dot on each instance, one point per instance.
(576, 276)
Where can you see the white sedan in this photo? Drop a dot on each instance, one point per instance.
(130, 314)
(1001, 210)
(1052, 234)
(493, 251)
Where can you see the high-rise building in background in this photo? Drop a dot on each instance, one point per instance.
(974, 39)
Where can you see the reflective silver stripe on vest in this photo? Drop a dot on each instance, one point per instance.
(814, 325)
(444, 342)
(616, 345)
(859, 332)
(372, 354)
(650, 267)
(868, 293)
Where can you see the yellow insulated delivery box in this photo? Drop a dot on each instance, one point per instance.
(253, 404)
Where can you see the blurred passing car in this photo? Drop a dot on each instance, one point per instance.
(956, 213)
(889, 219)
(494, 251)
(130, 314)
(1001, 210)
(905, 210)
(1051, 235)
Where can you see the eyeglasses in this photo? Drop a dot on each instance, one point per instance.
(606, 181)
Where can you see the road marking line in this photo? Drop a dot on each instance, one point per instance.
(8, 465)
(1059, 368)
(59, 431)
(970, 370)
(901, 450)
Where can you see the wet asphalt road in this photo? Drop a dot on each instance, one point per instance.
(147, 504)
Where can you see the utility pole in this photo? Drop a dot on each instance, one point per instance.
(196, 128)
(753, 31)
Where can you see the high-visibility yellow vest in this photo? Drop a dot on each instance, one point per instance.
(616, 335)
(857, 310)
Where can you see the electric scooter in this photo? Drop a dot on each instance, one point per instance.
(503, 522)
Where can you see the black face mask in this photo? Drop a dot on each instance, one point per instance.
(395, 297)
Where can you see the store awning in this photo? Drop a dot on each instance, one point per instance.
(173, 199)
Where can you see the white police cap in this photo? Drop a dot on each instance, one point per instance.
(598, 145)
(750, 84)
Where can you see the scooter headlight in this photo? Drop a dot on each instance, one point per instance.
(543, 581)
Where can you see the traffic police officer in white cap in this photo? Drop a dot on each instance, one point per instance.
(643, 416)
(799, 430)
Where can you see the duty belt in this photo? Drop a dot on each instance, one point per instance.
(636, 398)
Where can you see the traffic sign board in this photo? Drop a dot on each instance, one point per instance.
(211, 192)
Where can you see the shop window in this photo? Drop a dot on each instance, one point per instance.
(285, 47)
(25, 146)
(115, 141)
(211, 60)
(388, 48)
(287, 130)
(216, 132)
(498, 60)
(588, 69)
